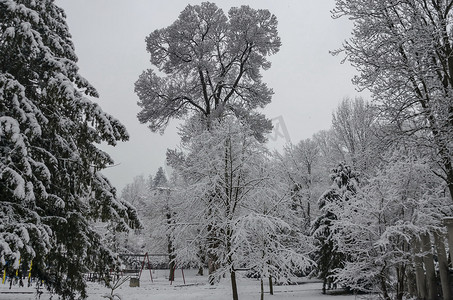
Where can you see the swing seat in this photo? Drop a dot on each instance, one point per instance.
(134, 282)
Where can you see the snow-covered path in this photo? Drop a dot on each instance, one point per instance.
(195, 289)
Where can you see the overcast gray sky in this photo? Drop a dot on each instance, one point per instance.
(308, 82)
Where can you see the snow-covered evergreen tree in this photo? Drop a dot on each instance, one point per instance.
(50, 184)
(327, 256)
(160, 179)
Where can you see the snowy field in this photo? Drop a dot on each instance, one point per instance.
(194, 289)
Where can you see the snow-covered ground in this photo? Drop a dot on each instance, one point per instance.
(194, 289)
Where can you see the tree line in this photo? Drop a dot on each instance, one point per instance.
(364, 230)
(354, 218)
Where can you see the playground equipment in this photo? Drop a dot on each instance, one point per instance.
(134, 266)
(136, 263)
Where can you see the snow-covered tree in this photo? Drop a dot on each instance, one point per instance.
(160, 179)
(301, 167)
(164, 208)
(218, 171)
(403, 51)
(51, 187)
(354, 124)
(327, 256)
(269, 237)
(138, 194)
(156, 202)
(211, 64)
(379, 226)
(329, 149)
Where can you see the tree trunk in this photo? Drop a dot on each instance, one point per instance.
(448, 222)
(200, 271)
(419, 271)
(271, 285)
(449, 171)
(385, 293)
(262, 289)
(443, 265)
(411, 281)
(211, 248)
(234, 286)
(171, 257)
(211, 267)
(202, 258)
(171, 276)
(401, 271)
(450, 188)
(428, 261)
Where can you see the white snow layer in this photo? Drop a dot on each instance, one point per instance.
(195, 288)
